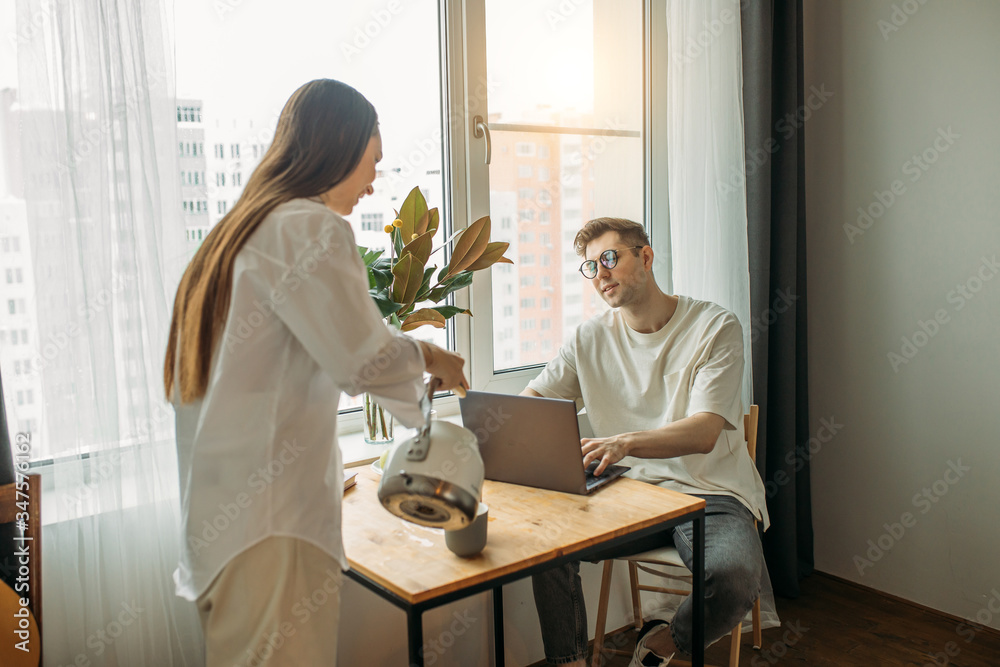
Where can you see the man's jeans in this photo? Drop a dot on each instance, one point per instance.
(734, 562)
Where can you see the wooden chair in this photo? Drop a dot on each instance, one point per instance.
(649, 561)
(9, 509)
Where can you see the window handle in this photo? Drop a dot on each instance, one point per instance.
(479, 130)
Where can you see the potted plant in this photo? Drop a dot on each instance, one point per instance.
(408, 292)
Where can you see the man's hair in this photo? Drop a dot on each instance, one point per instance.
(631, 233)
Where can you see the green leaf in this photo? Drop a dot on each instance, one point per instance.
(451, 311)
(381, 277)
(425, 285)
(452, 284)
(369, 257)
(386, 306)
(470, 246)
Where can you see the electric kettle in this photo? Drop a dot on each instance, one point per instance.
(436, 477)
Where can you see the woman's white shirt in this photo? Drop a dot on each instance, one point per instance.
(258, 454)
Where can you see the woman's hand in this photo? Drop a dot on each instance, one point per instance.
(445, 367)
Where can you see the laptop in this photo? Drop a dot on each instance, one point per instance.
(531, 441)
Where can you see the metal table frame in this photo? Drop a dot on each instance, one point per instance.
(414, 611)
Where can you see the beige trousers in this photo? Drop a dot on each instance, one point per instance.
(275, 604)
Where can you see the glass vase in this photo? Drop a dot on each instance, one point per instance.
(378, 422)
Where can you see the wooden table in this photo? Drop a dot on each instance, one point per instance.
(530, 530)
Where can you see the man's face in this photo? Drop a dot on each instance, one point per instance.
(626, 283)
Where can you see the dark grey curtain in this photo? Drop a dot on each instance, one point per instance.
(7, 531)
(774, 116)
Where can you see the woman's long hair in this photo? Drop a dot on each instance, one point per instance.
(322, 133)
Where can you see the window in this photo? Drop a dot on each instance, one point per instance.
(508, 311)
(527, 325)
(238, 179)
(372, 222)
(546, 324)
(543, 174)
(234, 150)
(546, 303)
(524, 171)
(11, 306)
(220, 179)
(526, 260)
(524, 149)
(525, 193)
(10, 276)
(543, 152)
(527, 303)
(526, 237)
(527, 281)
(220, 151)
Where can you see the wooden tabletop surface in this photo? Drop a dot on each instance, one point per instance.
(527, 526)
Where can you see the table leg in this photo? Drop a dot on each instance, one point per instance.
(415, 637)
(498, 626)
(698, 591)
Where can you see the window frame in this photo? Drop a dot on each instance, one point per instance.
(467, 27)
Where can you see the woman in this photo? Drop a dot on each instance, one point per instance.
(271, 322)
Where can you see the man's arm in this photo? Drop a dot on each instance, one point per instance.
(528, 391)
(696, 434)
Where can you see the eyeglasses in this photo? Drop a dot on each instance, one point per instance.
(608, 259)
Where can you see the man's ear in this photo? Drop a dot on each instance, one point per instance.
(646, 252)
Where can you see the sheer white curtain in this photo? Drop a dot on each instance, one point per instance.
(705, 171)
(101, 180)
(706, 174)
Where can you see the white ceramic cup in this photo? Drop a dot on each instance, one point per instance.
(469, 541)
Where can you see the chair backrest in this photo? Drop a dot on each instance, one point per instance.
(750, 431)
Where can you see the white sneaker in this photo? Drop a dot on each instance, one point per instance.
(644, 657)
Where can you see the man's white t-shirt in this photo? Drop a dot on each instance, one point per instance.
(631, 381)
(258, 454)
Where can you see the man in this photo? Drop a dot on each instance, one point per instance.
(661, 377)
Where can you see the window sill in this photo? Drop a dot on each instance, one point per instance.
(356, 452)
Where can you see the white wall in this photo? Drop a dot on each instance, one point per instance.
(897, 93)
